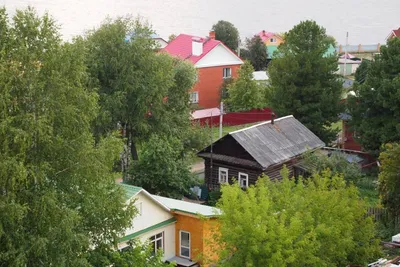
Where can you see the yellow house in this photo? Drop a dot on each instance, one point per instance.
(182, 230)
(271, 41)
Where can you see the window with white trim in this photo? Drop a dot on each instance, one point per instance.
(243, 180)
(194, 97)
(227, 73)
(184, 247)
(222, 175)
(157, 242)
(272, 40)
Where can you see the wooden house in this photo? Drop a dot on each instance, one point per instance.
(246, 154)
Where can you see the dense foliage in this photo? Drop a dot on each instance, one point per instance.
(162, 168)
(375, 108)
(257, 53)
(137, 254)
(54, 181)
(337, 163)
(227, 33)
(245, 93)
(314, 222)
(362, 71)
(303, 79)
(389, 178)
(140, 91)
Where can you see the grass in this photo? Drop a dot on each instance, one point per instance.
(368, 190)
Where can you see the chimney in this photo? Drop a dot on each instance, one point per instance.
(197, 46)
(212, 35)
(263, 32)
(272, 117)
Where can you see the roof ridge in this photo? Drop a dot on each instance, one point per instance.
(262, 123)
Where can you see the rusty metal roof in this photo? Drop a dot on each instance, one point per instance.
(271, 144)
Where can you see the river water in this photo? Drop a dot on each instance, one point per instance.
(367, 21)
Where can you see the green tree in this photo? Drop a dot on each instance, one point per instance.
(162, 168)
(375, 108)
(137, 254)
(227, 33)
(314, 222)
(389, 178)
(336, 162)
(54, 182)
(142, 91)
(244, 93)
(171, 37)
(257, 54)
(362, 70)
(303, 80)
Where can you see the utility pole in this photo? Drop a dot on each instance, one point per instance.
(221, 115)
(345, 53)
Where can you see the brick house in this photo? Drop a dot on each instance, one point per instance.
(214, 61)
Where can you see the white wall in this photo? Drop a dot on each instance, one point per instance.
(152, 213)
(161, 43)
(169, 240)
(219, 56)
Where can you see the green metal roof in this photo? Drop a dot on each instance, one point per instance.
(130, 190)
(148, 229)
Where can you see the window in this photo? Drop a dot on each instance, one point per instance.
(184, 250)
(157, 242)
(223, 175)
(227, 73)
(194, 97)
(272, 40)
(243, 180)
(139, 208)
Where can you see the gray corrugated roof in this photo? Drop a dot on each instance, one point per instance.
(271, 144)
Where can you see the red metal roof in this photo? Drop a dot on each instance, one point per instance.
(397, 32)
(181, 46)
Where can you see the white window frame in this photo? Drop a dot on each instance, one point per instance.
(227, 73)
(180, 244)
(272, 40)
(220, 171)
(243, 176)
(154, 242)
(194, 97)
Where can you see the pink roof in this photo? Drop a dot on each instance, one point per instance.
(181, 46)
(264, 35)
(205, 113)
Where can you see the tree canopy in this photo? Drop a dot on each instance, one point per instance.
(389, 178)
(314, 222)
(257, 53)
(361, 72)
(303, 79)
(375, 108)
(54, 180)
(227, 33)
(245, 93)
(162, 168)
(140, 91)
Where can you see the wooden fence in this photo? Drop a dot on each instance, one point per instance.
(381, 214)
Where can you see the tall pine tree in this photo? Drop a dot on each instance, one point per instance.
(303, 81)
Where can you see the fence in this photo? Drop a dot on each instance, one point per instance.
(237, 118)
(381, 214)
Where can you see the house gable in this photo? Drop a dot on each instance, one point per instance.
(228, 146)
(220, 55)
(150, 212)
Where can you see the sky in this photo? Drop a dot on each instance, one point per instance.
(367, 21)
